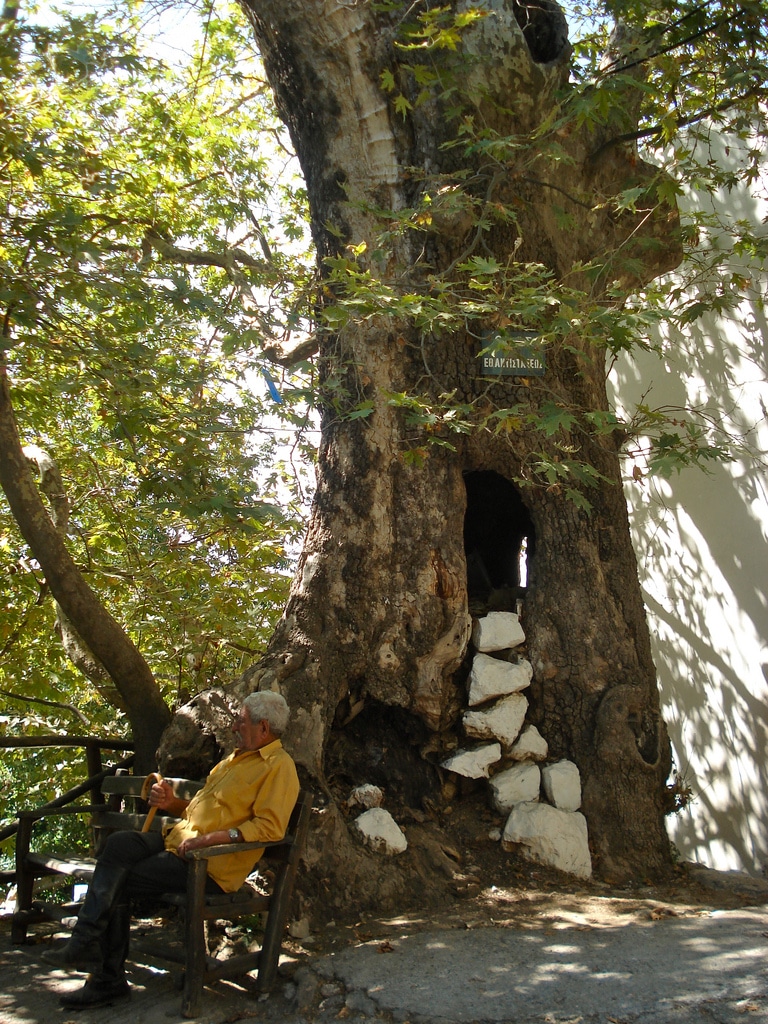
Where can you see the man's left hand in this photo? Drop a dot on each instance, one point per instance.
(206, 839)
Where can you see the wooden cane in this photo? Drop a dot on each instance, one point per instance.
(149, 782)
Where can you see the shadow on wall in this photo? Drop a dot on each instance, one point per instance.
(703, 559)
(702, 546)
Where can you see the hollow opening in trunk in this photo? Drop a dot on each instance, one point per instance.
(499, 542)
(382, 745)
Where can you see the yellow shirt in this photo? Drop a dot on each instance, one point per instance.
(252, 790)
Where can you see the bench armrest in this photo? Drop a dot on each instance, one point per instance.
(204, 852)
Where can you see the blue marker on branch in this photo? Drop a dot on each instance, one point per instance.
(276, 397)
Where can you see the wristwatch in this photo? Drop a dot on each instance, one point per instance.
(235, 836)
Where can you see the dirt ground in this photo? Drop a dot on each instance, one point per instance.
(463, 878)
(533, 898)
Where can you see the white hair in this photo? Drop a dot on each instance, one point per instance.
(273, 707)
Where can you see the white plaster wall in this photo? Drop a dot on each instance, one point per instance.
(702, 547)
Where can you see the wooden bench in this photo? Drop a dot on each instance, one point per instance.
(120, 810)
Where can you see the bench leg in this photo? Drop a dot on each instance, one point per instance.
(197, 953)
(19, 928)
(281, 899)
(25, 881)
(273, 931)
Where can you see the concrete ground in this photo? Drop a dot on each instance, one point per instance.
(682, 970)
(697, 967)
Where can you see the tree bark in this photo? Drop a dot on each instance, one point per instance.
(106, 640)
(371, 646)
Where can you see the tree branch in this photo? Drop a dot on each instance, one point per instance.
(51, 485)
(305, 350)
(76, 648)
(48, 703)
(681, 122)
(557, 188)
(195, 258)
(103, 635)
(618, 67)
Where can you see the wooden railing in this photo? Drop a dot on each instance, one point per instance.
(93, 747)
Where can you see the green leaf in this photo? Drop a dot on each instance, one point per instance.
(387, 80)
(554, 418)
(402, 105)
(578, 499)
(363, 411)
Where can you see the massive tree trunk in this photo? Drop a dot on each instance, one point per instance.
(371, 649)
(83, 612)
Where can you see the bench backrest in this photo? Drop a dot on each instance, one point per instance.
(123, 807)
(130, 786)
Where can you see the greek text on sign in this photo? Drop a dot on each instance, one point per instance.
(512, 360)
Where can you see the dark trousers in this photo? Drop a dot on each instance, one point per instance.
(152, 869)
(131, 864)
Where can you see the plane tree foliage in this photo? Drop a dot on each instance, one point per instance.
(145, 219)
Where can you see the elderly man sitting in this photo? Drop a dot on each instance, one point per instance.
(248, 797)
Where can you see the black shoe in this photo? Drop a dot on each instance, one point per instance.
(96, 992)
(79, 956)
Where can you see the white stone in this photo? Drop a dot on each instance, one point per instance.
(381, 832)
(474, 764)
(516, 785)
(497, 631)
(531, 746)
(490, 678)
(502, 721)
(300, 929)
(562, 785)
(366, 796)
(549, 836)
